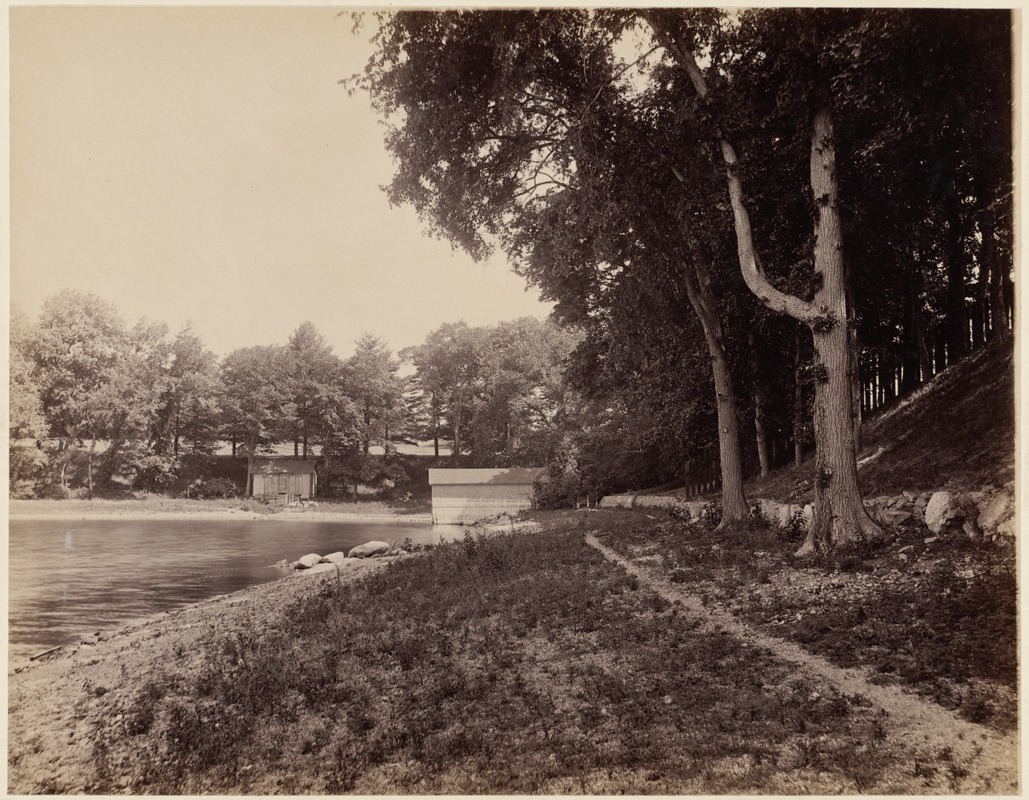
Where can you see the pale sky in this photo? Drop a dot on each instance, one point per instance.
(204, 164)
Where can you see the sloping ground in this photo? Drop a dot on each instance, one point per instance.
(515, 664)
(957, 432)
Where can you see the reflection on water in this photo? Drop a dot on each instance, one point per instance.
(71, 578)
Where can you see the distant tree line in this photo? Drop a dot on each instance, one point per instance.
(776, 220)
(96, 403)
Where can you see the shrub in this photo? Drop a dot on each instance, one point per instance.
(558, 487)
(152, 473)
(210, 488)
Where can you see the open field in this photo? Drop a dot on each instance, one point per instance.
(612, 652)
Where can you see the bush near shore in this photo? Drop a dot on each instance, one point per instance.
(526, 663)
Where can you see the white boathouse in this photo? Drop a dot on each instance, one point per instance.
(466, 495)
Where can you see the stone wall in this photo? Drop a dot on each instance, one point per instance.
(989, 512)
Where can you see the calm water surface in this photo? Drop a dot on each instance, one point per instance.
(70, 578)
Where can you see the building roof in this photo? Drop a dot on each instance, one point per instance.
(464, 477)
(282, 466)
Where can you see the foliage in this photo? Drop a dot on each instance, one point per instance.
(211, 488)
(428, 677)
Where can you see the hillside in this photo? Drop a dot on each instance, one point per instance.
(956, 432)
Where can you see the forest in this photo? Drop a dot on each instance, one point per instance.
(101, 406)
(766, 224)
(758, 228)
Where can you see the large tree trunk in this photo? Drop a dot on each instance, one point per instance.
(697, 278)
(798, 402)
(840, 518)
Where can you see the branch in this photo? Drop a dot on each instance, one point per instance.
(753, 273)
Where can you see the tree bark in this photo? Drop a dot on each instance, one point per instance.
(798, 403)
(957, 311)
(760, 404)
(840, 518)
(854, 353)
(998, 308)
(697, 278)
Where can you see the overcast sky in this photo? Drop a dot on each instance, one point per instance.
(204, 164)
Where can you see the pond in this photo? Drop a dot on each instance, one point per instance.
(71, 578)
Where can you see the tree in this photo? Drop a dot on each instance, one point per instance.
(448, 370)
(840, 517)
(80, 339)
(313, 370)
(375, 389)
(532, 148)
(188, 413)
(27, 428)
(254, 400)
(520, 395)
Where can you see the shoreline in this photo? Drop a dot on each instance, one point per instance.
(286, 516)
(120, 660)
(288, 582)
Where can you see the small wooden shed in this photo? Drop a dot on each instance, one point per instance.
(284, 480)
(467, 495)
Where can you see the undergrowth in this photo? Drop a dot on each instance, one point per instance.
(519, 663)
(942, 619)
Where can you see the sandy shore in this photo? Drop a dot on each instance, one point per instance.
(57, 697)
(285, 516)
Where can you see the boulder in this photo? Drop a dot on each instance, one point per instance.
(996, 511)
(369, 549)
(781, 514)
(334, 558)
(946, 512)
(306, 562)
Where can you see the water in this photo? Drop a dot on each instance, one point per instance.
(71, 578)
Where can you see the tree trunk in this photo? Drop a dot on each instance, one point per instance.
(798, 404)
(89, 464)
(854, 353)
(760, 404)
(998, 309)
(957, 312)
(840, 518)
(697, 278)
(305, 446)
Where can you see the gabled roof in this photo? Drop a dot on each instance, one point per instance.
(282, 466)
(463, 477)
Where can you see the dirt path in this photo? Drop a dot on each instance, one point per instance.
(983, 760)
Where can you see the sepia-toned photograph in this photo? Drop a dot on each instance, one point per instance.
(522, 401)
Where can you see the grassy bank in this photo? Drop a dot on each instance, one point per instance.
(521, 663)
(939, 618)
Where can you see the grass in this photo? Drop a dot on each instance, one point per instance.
(941, 619)
(519, 663)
